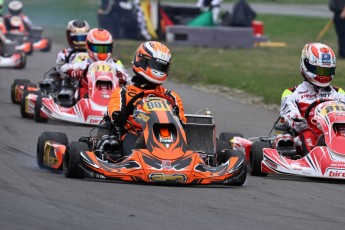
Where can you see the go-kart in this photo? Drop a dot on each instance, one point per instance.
(165, 152)
(9, 57)
(277, 154)
(51, 84)
(66, 105)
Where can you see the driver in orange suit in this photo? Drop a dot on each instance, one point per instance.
(151, 64)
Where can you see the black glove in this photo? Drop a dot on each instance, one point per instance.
(117, 117)
(176, 110)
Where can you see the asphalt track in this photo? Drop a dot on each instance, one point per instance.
(31, 198)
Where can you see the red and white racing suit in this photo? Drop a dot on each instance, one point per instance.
(78, 70)
(296, 100)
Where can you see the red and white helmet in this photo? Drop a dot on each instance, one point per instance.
(15, 7)
(99, 44)
(152, 62)
(318, 64)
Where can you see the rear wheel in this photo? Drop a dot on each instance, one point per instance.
(72, 159)
(14, 88)
(48, 47)
(43, 138)
(37, 113)
(22, 63)
(256, 157)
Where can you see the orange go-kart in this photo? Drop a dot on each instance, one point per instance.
(165, 152)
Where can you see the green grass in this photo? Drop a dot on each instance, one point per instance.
(261, 71)
(263, 1)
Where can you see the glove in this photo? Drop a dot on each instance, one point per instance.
(117, 117)
(76, 73)
(299, 124)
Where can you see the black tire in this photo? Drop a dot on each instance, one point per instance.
(23, 113)
(29, 84)
(255, 158)
(37, 114)
(49, 46)
(15, 84)
(22, 63)
(225, 136)
(222, 155)
(242, 176)
(48, 136)
(31, 49)
(321, 141)
(72, 159)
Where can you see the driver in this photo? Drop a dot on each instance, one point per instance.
(15, 8)
(76, 33)
(151, 65)
(99, 46)
(317, 66)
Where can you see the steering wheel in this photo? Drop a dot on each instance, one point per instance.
(130, 104)
(312, 106)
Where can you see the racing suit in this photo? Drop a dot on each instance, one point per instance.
(119, 101)
(79, 69)
(294, 103)
(66, 55)
(24, 26)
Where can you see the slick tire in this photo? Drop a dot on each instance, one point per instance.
(15, 84)
(255, 158)
(23, 112)
(241, 177)
(37, 113)
(72, 159)
(22, 63)
(42, 139)
(222, 152)
(49, 46)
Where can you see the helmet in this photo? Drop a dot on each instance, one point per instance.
(152, 62)
(99, 44)
(76, 33)
(15, 7)
(318, 64)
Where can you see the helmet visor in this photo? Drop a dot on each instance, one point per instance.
(156, 64)
(100, 48)
(78, 37)
(319, 70)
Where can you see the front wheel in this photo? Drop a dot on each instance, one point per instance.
(242, 174)
(14, 89)
(37, 113)
(256, 157)
(42, 139)
(72, 159)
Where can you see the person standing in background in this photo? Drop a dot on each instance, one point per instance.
(338, 7)
(213, 5)
(110, 15)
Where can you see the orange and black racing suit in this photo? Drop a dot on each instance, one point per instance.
(119, 101)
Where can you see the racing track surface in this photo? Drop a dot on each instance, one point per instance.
(31, 198)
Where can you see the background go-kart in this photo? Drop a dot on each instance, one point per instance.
(38, 199)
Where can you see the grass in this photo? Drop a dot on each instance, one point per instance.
(263, 1)
(261, 71)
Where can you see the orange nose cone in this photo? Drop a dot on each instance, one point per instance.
(102, 57)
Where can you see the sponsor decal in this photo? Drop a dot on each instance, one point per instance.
(162, 177)
(142, 117)
(166, 164)
(338, 164)
(161, 61)
(95, 120)
(326, 58)
(336, 173)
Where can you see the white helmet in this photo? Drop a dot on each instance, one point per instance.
(15, 7)
(318, 64)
